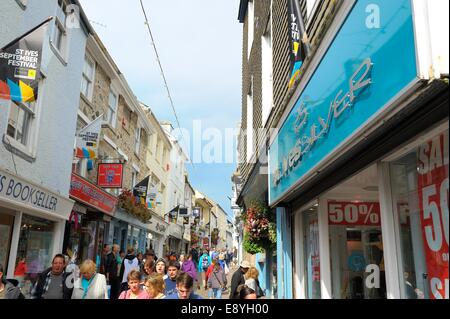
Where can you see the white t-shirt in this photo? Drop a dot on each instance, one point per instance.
(129, 265)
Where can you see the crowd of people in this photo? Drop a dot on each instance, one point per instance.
(141, 276)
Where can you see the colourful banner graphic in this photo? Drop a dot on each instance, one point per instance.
(20, 62)
(88, 139)
(299, 46)
(433, 188)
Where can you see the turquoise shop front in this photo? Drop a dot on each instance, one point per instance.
(364, 138)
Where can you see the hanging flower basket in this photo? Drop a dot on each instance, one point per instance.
(260, 228)
(134, 207)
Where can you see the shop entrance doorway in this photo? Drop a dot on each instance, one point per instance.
(356, 246)
(6, 229)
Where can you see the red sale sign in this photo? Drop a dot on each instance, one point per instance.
(352, 213)
(110, 175)
(433, 201)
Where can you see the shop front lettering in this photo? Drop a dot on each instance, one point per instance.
(92, 193)
(160, 227)
(358, 81)
(27, 194)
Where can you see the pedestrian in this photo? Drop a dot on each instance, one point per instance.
(129, 263)
(173, 269)
(53, 283)
(210, 269)
(245, 292)
(148, 270)
(160, 267)
(189, 267)
(238, 279)
(194, 254)
(155, 286)
(140, 257)
(7, 289)
(203, 264)
(135, 291)
(90, 284)
(251, 280)
(105, 252)
(150, 254)
(185, 285)
(20, 272)
(112, 277)
(181, 260)
(217, 282)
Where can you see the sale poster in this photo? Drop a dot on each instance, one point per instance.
(433, 185)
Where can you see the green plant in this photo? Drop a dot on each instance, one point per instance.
(260, 229)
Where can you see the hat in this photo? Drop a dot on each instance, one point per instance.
(245, 264)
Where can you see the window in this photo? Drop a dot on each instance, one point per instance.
(112, 108)
(251, 27)
(59, 31)
(134, 176)
(137, 140)
(250, 122)
(267, 72)
(88, 78)
(19, 121)
(34, 249)
(419, 186)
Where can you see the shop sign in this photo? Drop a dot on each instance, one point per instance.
(25, 194)
(433, 189)
(359, 76)
(89, 194)
(354, 214)
(160, 227)
(110, 175)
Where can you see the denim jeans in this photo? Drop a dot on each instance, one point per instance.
(215, 293)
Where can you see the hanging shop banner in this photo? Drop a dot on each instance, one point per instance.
(140, 190)
(110, 175)
(20, 63)
(433, 190)
(299, 46)
(365, 68)
(88, 139)
(183, 212)
(354, 214)
(91, 195)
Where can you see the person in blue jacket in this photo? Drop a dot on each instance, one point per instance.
(185, 288)
(203, 264)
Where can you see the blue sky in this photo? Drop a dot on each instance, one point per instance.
(199, 43)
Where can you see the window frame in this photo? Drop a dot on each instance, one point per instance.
(84, 77)
(137, 140)
(112, 118)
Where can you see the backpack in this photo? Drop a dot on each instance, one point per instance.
(205, 263)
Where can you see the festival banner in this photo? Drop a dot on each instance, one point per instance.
(298, 37)
(20, 63)
(140, 190)
(88, 138)
(433, 191)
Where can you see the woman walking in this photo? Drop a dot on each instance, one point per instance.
(155, 286)
(135, 291)
(217, 282)
(90, 285)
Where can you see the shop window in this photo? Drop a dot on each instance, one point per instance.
(310, 224)
(420, 190)
(356, 246)
(34, 252)
(6, 228)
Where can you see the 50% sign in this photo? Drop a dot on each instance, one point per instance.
(351, 213)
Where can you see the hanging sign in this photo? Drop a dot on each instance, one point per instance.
(110, 175)
(433, 191)
(20, 63)
(88, 138)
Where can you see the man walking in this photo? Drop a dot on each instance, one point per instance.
(238, 279)
(112, 278)
(203, 265)
(53, 282)
(171, 281)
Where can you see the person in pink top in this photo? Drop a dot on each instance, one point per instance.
(135, 291)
